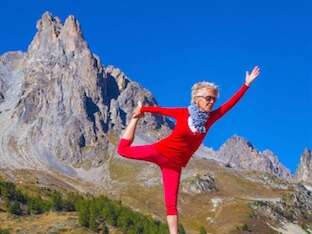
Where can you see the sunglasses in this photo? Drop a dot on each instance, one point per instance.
(208, 98)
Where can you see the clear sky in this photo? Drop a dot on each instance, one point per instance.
(168, 45)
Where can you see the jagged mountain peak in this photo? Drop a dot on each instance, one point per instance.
(304, 170)
(239, 141)
(54, 37)
(307, 152)
(72, 36)
(47, 21)
(120, 77)
(72, 24)
(239, 153)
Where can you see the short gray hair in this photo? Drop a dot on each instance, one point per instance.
(200, 85)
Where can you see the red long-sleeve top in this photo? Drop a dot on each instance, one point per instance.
(180, 145)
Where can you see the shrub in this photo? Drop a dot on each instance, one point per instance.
(15, 208)
(4, 231)
(35, 205)
(202, 230)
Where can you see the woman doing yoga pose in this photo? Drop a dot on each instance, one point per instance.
(173, 152)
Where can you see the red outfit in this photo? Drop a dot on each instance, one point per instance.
(180, 145)
(173, 152)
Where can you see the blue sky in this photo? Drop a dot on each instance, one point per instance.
(168, 45)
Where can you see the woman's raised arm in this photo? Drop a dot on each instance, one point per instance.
(225, 107)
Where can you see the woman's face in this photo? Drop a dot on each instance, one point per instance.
(206, 98)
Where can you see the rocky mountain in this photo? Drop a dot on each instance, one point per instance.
(60, 107)
(238, 153)
(304, 170)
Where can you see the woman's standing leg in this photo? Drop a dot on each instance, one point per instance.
(171, 182)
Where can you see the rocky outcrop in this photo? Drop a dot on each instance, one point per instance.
(294, 206)
(268, 180)
(238, 153)
(304, 170)
(200, 184)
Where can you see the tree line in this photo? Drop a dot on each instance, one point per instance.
(95, 213)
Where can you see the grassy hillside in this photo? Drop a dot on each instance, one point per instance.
(196, 210)
(27, 209)
(138, 186)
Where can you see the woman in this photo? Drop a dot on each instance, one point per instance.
(174, 151)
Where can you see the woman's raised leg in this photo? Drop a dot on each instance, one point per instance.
(139, 152)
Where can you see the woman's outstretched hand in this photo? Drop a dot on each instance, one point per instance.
(250, 77)
(137, 111)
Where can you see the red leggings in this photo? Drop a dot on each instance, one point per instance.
(170, 172)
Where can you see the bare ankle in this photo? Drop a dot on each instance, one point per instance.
(134, 119)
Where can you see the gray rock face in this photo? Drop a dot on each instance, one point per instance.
(269, 181)
(304, 171)
(302, 198)
(238, 153)
(201, 184)
(296, 205)
(59, 104)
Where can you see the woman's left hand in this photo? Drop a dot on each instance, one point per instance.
(250, 77)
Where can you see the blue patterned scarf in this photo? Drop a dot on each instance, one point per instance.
(199, 117)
